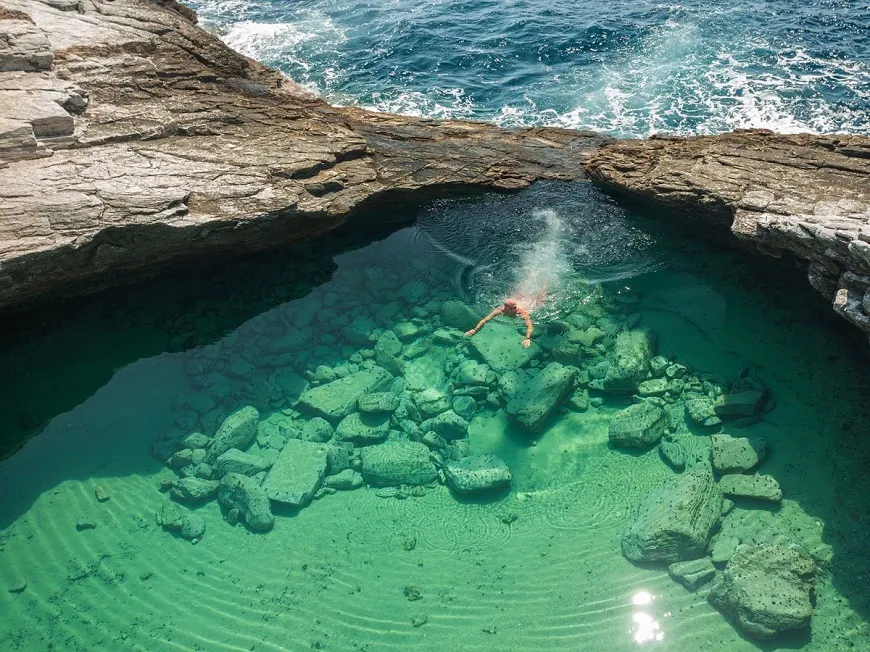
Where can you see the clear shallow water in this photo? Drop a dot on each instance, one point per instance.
(625, 68)
(537, 568)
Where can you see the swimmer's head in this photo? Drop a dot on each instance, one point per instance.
(510, 306)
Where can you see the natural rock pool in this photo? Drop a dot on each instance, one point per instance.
(301, 449)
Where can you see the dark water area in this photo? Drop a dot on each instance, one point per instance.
(108, 391)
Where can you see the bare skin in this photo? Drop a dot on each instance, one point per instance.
(510, 309)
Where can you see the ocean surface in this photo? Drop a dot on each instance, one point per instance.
(629, 68)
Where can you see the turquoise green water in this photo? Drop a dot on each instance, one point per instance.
(538, 566)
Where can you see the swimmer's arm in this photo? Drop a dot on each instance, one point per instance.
(494, 313)
(529, 327)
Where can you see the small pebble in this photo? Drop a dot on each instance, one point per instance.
(101, 493)
(18, 587)
(419, 620)
(85, 524)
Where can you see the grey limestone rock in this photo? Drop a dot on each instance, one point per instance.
(458, 315)
(317, 429)
(762, 487)
(297, 473)
(363, 428)
(700, 411)
(540, 394)
(674, 453)
(192, 526)
(23, 46)
(675, 520)
(448, 425)
(465, 407)
(478, 473)
(766, 589)
(388, 344)
(344, 481)
(397, 463)
(336, 400)
(239, 492)
(238, 430)
(694, 573)
(638, 426)
(500, 345)
(236, 461)
(736, 454)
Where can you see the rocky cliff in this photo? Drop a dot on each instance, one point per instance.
(129, 137)
(805, 196)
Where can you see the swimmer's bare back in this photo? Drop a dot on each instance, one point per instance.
(509, 309)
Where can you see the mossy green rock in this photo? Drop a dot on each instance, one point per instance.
(766, 590)
(629, 364)
(500, 345)
(675, 520)
(244, 494)
(236, 461)
(297, 473)
(397, 463)
(540, 394)
(638, 426)
(740, 404)
(339, 398)
(736, 454)
(378, 402)
(238, 430)
(363, 428)
(478, 473)
(458, 315)
(694, 573)
(448, 425)
(700, 410)
(761, 487)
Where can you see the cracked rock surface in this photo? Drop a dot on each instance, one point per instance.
(802, 195)
(130, 138)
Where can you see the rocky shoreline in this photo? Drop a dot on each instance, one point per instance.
(131, 139)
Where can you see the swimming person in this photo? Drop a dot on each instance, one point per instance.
(511, 309)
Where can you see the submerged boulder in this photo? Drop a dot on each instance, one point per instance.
(540, 394)
(458, 315)
(363, 428)
(736, 454)
(766, 589)
(501, 347)
(297, 473)
(236, 461)
(675, 520)
(694, 573)
(740, 404)
(238, 430)
(476, 474)
(244, 494)
(396, 463)
(629, 364)
(762, 487)
(638, 426)
(337, 399)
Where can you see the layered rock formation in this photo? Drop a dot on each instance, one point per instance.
(807, 196)
(129, 137)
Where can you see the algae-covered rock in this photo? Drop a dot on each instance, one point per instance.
(431, 402)
(540, 394)
(700, 411)
(192, 527)
(675, 520)
(694, 573)
(458, 315)
(317, 429)
(448, 425)
(674, 453)
(388, 343)
(339, 398)
(193, 489)
(291, 384)
(396, 463)
(638, 426)
(363, 428)
(629, 363)
(238, 430)
(766, 590)
(501, 346)
(297, 473)
(242, 493)
(345, 480)
(653, 387)
(762, 487)
(236, 461)
(736, 454)
(470, 372)
(740, 404)
(477, 474)
(465, 407)
(425, 372)
(378, 402)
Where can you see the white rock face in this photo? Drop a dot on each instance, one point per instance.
(23, 46)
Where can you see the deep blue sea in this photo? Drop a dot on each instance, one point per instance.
(627, 68)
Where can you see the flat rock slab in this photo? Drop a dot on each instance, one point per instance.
(238, 430)
(736, 454)
(397, 463)
(500, 345)
(335, 400)
(740, 404)
(297, 473)
(236, 461)
(766, 590)
(540, 394)
(694, 573)
(675, 520)
(23, 46)
(638, 426)
(363, 428)
(476, 474)
(762, 487)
